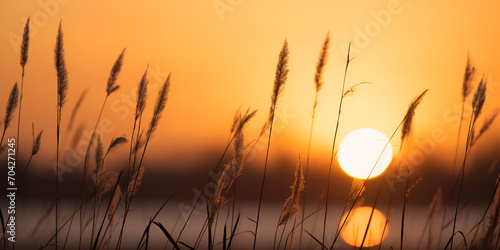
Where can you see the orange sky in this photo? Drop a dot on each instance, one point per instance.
(222, 55)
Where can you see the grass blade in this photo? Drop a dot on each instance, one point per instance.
(186, 245)
(233, 232)
(169, 237)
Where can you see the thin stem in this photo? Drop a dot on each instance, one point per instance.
(137, 141)
(292, 233)
(370, 220)
(24, 172)
(307, 164)
(404, 208)
(204, 187)
(84, 176)
(3, 134)
(19, 115)
(57, 169)
(282, 233)
(472, 122)
(263, 180)
(129, 200)
(333, 147)
(453, 170)
(131, 146)
(458, 139)
(275, 236)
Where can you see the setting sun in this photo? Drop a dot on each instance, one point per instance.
(360, 150)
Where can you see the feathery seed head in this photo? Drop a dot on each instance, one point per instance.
(160, 106)
(62, 73)
(116, 142)
(135, 182)
(468, 77)
(479, 98)
(25, 43)
(99, 156)
(280, 78)
(36, 141)
(142, 90)
(114, 205)
(111, 86)
(291, 207)
(407, 123)
(11, 105)
(323, 56)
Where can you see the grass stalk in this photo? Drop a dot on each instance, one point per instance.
(477, 105)
(62, 89)
(279, 83)
(332, 155)
(404, 208)
(24, 60)
(318, 83)
(369, 221)
(466, 90)
(158, 110)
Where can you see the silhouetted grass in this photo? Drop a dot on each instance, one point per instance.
(110, 185)
(318, 84)
(279, 83)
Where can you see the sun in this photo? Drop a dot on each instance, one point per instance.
(359, 151)
(355, 228)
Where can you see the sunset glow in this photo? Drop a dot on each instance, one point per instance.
(252, 122)
(365, 153)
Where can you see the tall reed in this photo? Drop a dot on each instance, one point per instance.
(279, 83)
(470, 71)
(332, 155)
(236, 138)
(136, 179)
(407, 124)
(469, 74)
(142, 89)
(62, 91)
(24, 60)
(111, 87)
(231, 171)
(318, 84)
(477, 106)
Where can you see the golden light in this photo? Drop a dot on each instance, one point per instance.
(359, 151)
(355, 228)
